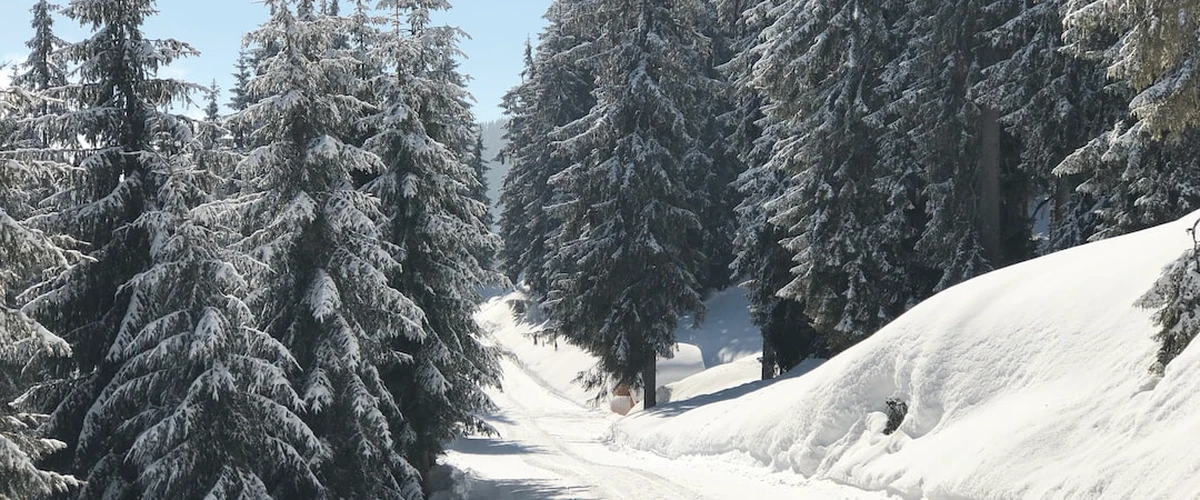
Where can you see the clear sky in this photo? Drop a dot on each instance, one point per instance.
(498, 30)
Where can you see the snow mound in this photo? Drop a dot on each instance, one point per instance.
(1028, 382)
(744, 374)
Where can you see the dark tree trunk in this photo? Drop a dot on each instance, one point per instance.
(989, 184)
(768, 360)
(650, 381)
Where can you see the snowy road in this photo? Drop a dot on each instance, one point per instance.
(552, 448)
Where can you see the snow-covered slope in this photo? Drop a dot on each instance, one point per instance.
(1028, 382)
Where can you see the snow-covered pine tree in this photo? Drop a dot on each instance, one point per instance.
(28, 109)
(762, 265)
(43, 69)
(1136, 180)
(200, 406)
(1177, 302)
(1154, 54)
(323, 288)
(821, 69)
(425, 134)
(943, 152)
(479, 190)
(1157, 56)
(557, 89)
(115, 119)
(1051, 103)
(716, 161)
(630, 230)
(25, 254)
(240, 98)
(212, 110)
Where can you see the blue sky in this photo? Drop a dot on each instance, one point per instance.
(498, 30)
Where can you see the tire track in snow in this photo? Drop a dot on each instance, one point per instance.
(571, 449)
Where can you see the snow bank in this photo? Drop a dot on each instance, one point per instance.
(1028, 382)
(744, 374)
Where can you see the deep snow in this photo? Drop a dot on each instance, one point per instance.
(1028, 382)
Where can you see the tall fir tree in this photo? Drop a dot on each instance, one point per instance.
(212, 108)
(200, 406)
(946, 151)
(323, 288)
(43, 69)
(26, 253)
(557, 89)
(240, 97)
(1052, 104)
(630, 229)
(425, 134)
(479, 165)
(717, 162)
(762, 265)
(1135, 179)
(822, 71)
(114, 121)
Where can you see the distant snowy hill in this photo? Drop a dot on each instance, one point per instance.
(493, 140)
(1028, 382)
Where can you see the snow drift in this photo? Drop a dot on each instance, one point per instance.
(1028, 382)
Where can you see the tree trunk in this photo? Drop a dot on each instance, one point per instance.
(1062, 198)
(650, 381)
(768, 360)
(989, 184)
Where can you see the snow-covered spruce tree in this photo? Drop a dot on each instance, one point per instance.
(1157, 56)
(43, 69)
(480, 166)
(715, 160)
(114, 120)
(630, 230)
(25, 253)
(425, 136)
(762, 265)
(200, 406)
(212, 109)
(1177, 302)
(941, 152)
(1136, 180)
(30, 108)
(1051, 103)
(821, 69)
(240, 98)
(557, 89)
(323, 284)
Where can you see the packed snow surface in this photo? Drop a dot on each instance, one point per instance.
(1028, 382)
(550, 443)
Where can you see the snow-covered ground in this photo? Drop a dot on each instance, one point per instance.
(725, 336)
(552, 442)
(1029, 382)
(550, 447)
